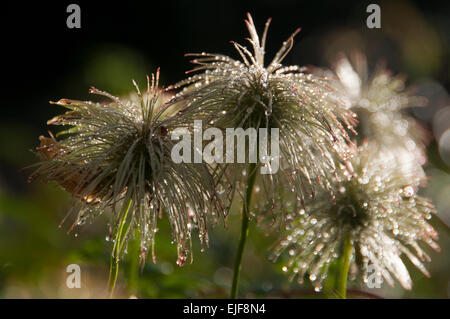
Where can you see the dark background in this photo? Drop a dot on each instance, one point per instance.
(43, 60)
(40, 54)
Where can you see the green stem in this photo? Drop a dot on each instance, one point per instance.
(343, 268)
(252, 169)
(133, 258)
(114, 264)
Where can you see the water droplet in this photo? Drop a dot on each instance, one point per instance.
(363, 180)
(220, 190)
(181, 260)
(408, 191)
(81, 222)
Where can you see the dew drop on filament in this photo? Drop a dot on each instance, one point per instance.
(181, 260)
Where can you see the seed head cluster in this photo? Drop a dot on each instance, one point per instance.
(115, 157)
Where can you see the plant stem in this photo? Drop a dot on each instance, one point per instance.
(114, 264)
(134, 252)
(252, 169)
(344, 267)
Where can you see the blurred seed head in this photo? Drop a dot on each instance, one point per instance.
(381, 101)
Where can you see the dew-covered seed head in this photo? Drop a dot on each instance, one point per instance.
(119, 151)
(377, 207)
(251, 93)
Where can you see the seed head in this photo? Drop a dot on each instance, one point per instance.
(381, 101)
(120, 152)
(229, 93)
(378, 207)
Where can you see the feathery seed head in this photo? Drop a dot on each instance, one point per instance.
(118, 153)
(378, 207)
(380, 100)
(249, 94)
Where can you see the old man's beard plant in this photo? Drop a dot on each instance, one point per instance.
(116, 157)
(338, 205)
(245, 94)
(375, 218)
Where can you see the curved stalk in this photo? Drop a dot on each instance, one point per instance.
(252, 169)
(114, 264)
